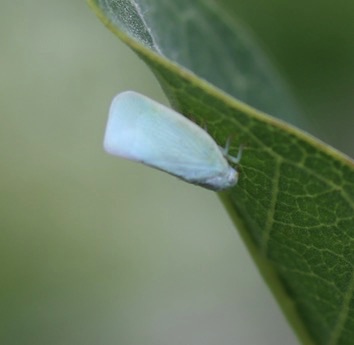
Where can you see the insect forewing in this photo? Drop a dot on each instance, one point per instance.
(143, 130)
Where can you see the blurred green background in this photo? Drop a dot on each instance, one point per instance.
(97, 250)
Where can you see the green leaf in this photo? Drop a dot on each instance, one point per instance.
(294, 203)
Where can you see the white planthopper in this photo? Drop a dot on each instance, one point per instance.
(142, 130)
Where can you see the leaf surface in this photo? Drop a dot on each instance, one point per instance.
(294, 203)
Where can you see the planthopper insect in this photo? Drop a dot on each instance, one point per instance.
(142, 130)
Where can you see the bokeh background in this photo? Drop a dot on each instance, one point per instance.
(97, 250)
